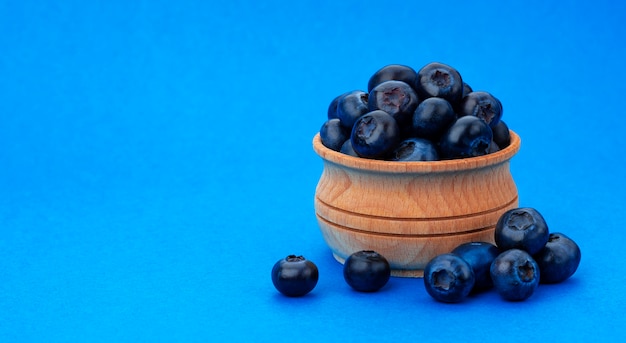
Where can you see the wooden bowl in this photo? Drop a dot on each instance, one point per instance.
(411, 211)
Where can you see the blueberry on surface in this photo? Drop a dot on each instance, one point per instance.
(351, 106)
(467, 137)
(396, 98)
(479, 255)
(501, 134)
(448, 278)
(366, 271)
(559, 258)
(415, 149)
(439, 80)
(482, 105)
(346, 148)
(294, 276)
(515, 274)
(521, 228)
(375, 134)
(432, 118)
(333, 134)
(390, 72)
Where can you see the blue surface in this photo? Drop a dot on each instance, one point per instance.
(156, 160)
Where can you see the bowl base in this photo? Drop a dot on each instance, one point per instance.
(406, 273)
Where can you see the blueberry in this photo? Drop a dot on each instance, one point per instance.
(333, 134)
(515, 274)
(466, 89)
(415, 149)
(432, 118)
(479, 255)
(396, 98)
(521, 228)
(482, 105)
(351, 106)
(332, 107)
(375, 134)
(501, 134)
(559, 258)
(346, 148)
(440, 80)
(468, 137)
(294, 276)
(448, 278)
(390, 72)
(366, 271)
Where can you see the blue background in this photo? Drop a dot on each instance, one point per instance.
(156, 161)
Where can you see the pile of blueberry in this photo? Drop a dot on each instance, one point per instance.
(428, 115)
(525, 254)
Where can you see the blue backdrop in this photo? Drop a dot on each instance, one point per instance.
(156, 161)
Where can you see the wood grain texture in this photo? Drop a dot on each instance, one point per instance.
(411, 211)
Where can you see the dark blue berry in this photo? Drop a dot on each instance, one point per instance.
(347, 148)
(501, 134)
(351, 106)
(515, 274)
(333, 134)
(466, 89)
(366, 271)
(415, 149)
(390, 72)
(294, 276)
(559, 258)
(432, 118)
(479, 255)
(521, 228)
(332, 107)
(448, 278)
(482, 105)
(396, 98)
(468, 137)
(439, 80)
(375, 134)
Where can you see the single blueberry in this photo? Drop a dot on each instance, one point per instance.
(479, 255)
(439, 80)
(448, 278)
(482, 105)
(294, 276)
(432, 118)
(468, 137)
(396, 98)
(559, 258)
(415, 149)
(466, 89)
(366, 271)
(332, 107)
(375, 134)
(521, 228)
(346, 148)
(351, 106)
(390, 72)
(515, 274)
(333, 134)
(501, 134)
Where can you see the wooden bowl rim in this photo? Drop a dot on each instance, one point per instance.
(418, 166)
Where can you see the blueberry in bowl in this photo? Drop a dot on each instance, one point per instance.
(439, 80)
(375, 134)
(468, 136)
(396, 98)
